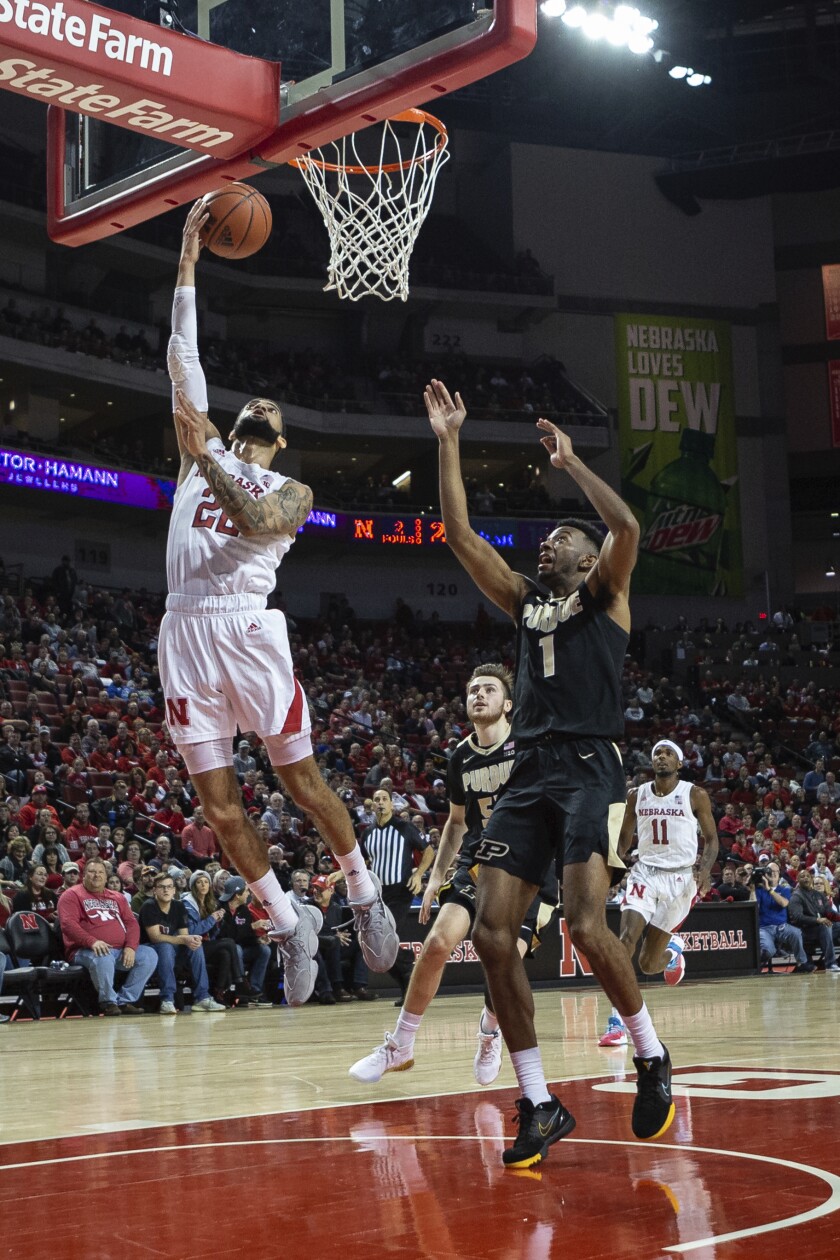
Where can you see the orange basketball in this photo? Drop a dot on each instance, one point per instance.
(239, 223)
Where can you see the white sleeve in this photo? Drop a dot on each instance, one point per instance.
(182, 359)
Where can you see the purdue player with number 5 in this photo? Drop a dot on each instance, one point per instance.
(565, 797)
(667, 879)
(477, 772)
(224, 657)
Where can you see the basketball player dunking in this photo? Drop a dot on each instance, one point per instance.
(565, 796)
(662, 886)
(225, 660)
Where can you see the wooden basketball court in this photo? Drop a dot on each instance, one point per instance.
(242, 1134)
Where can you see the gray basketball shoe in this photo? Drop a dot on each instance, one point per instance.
(297, 950)
(376, 930)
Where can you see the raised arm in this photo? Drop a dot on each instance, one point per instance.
(483, 563)
(617, 560)
(702, 807)
(282, 512)
(182, 359)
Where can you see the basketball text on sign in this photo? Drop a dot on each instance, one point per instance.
(345, 64)
(86, 58)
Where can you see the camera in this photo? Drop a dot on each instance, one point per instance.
(758, 876)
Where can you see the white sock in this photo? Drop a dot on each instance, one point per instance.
(488, 1022)
(527, 1064)
(360, 889)
(277, 904)
(406, 1029)
(645, 1040)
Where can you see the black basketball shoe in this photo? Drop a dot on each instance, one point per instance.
(538, 1127)
(653, 1109)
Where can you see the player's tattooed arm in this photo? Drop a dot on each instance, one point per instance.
(282, 512)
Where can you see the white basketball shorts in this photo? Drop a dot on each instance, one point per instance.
(663, 898)
(225, 663)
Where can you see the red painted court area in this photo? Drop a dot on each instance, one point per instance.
(752, 1154)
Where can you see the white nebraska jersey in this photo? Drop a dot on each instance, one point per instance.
(205, 552)
(666, 827)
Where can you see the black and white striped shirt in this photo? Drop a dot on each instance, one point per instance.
(389, 849)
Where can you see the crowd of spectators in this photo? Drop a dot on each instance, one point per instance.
(504, 391)
(90, 774)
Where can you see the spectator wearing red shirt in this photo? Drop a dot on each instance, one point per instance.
(149, 801)
(171, 815)
(199, 840)
(100, 931)
(73, 750)
(80, 830)
(730, 823)
(28, 815)
(157, 773)
(742, 850)
(102, 759)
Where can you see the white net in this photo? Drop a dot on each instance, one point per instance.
(373, 210)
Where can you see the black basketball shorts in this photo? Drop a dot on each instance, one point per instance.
(564, 801)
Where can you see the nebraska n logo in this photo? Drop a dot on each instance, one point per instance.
(29, 922)
(177, 712)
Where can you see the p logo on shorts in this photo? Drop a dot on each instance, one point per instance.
(489, 850)
(177, 712)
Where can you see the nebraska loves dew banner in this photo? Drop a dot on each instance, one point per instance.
(679, 456)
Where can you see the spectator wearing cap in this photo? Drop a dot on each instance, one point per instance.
(70, 875)
(198, 840)
(101, 933)
(144, 879)
(243, 761)
(28, 815)
(437, 799)
(238, 925)
(164, 926)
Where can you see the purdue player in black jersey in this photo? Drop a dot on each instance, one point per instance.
(565, 796)
(477, 771)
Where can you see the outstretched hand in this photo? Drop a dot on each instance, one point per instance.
(191, 244)
(445, 415)
(556, 442)
(191, 425)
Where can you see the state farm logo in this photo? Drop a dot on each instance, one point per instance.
(52, 22)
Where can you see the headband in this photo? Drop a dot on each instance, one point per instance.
(668, 743)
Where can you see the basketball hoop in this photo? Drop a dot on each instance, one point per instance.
(374, 211)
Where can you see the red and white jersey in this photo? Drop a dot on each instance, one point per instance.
(205, 552)
(666, 827)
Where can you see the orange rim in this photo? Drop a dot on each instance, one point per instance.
(417, 116)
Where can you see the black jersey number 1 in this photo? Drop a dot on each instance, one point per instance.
(547, 649)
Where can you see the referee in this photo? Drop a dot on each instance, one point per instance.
(389, 846)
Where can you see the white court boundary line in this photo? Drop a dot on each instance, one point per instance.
(831, 1204)
(477, 1091)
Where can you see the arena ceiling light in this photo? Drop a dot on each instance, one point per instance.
(694, 78)
(620, 25)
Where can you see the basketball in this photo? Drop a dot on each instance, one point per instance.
(239, 223)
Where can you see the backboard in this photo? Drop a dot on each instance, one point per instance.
(343, 65)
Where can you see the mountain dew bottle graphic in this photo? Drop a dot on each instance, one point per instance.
(682, 527)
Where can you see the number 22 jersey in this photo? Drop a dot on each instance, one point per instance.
(205, 552)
